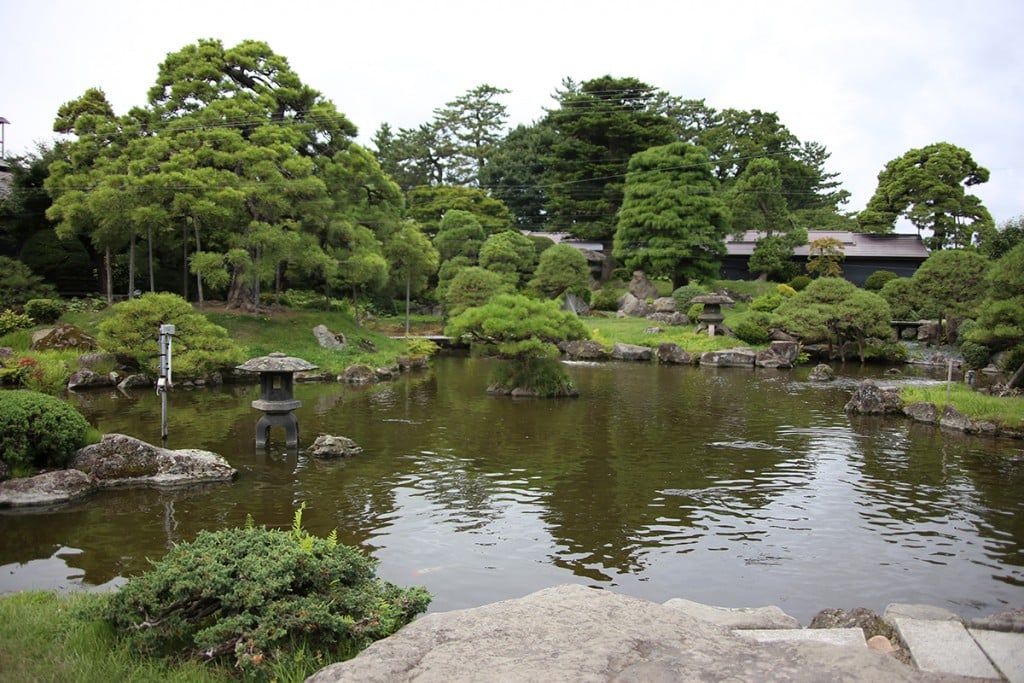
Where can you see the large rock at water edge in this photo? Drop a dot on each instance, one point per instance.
(673, 354)
(583, 349)
(871, 399)
(822, 373)
(328, 447)
(729, 358)
(736, 617)
(48, 488)
(781, 354)
(360, 373)
(118, 460)
(622, 351)
(573, 633)
(87, 379)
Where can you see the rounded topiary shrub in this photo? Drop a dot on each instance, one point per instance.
(252, 596)
(605, 299)
(800, 282)
(877, 280)
(39, 431)
(750, 332)
(44, 311)
(684, 295)
(975, 355)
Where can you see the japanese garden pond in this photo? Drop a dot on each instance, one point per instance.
(730, 487)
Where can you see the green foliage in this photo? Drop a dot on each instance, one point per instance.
(44, 311)
(785, 290)
(253, 595)
(420, 346)
(694, 311)
(683, 295)
(877, 280)
(1013, 360)
(198, 347)
(459, 234)
(824, 256)
(800, 282)
(975, 355)
(927, 186)
(45, 372)
(606, 298)
(18, 284)
(510, 254)
(951, 283)
(672, 222)
(996, 243)
(39, 431)
(902, 295)
(1000, 316)
(429, 204)
(562, 268)
(545, 377)
(750, 332)
(473, 286)
(518, 326)
(767, 302)
(11, 321)
(884, 350)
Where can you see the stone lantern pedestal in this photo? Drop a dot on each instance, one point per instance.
(712, 319)
(277, 400)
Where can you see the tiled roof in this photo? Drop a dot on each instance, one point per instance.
(855, 245)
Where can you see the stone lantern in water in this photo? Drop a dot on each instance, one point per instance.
(277, 399)
(712, 319)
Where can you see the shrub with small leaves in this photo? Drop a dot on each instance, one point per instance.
(44, 311)
(605, 299)
(11, 321)
(684, 295)
(877, 280)
(751, 332)
(800, 282)
(975, 355)
(37, 430)
(254, 595)
(766, 302)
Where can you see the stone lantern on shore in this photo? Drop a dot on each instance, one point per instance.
(712, 319)
(277, 399)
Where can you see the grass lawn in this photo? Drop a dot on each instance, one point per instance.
(1006, 410)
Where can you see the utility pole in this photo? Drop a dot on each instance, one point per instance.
(163, 383)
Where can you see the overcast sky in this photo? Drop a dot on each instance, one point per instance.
(868, 79)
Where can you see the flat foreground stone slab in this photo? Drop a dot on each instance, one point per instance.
(1006, 650)
(843, 637)
(49, 488)
(574, 633)
(944, 647)
(770, 617)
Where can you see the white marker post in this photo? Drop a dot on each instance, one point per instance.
(163, 383)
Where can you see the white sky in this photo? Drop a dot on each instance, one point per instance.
(868, 79)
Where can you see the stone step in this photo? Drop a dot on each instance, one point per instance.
(1006, 650)
(844, 637)
(944, 647)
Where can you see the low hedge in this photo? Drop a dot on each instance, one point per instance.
(38, 431)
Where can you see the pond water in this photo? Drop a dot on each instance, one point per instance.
(725, 486)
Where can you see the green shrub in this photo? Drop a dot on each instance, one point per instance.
(1013, 360)
(199, 347)
(39, 431)
(47, 374)
(44, 311)
(884, 350)
(766, 302)
(785, 290)
(965, 330)
(684, 295)
(605, 299)
(18, 283)
(420, 346)
(545, 377)
(877, 280)
(256, 596)
(800, 282)
(975, 355)
(750, 332)
(11, 321)
(694, 311)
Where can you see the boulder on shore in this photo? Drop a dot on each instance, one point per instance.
(673, 354)
(574, 633)
(119, 459)
(729, 358)
(622, 351)
(871, 399)
(48, 488)
(583, 349)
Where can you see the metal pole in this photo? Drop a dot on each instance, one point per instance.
(163, 383)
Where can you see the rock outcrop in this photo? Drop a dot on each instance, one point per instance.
(359, 373)
(62, 337)
(573, 633)
(622, 351)
(328, 447)
(729, 358)
(327, 339)
(87, 379)
(781, 354)
(119, 460)
(822, 373)
(583, 349)
(673, 354)
(641, 287)
(48, 488)
(871, 399)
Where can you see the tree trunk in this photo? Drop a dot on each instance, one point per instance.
(1017, 379)
(110, 276)
(149, 248)
(184, 260)
(199, 277)
(131, 265)
(408, 293)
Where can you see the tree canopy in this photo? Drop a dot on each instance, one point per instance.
(927, 186)
(672, 223)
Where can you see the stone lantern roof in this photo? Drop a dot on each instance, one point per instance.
(712, 299)
(276, 362)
